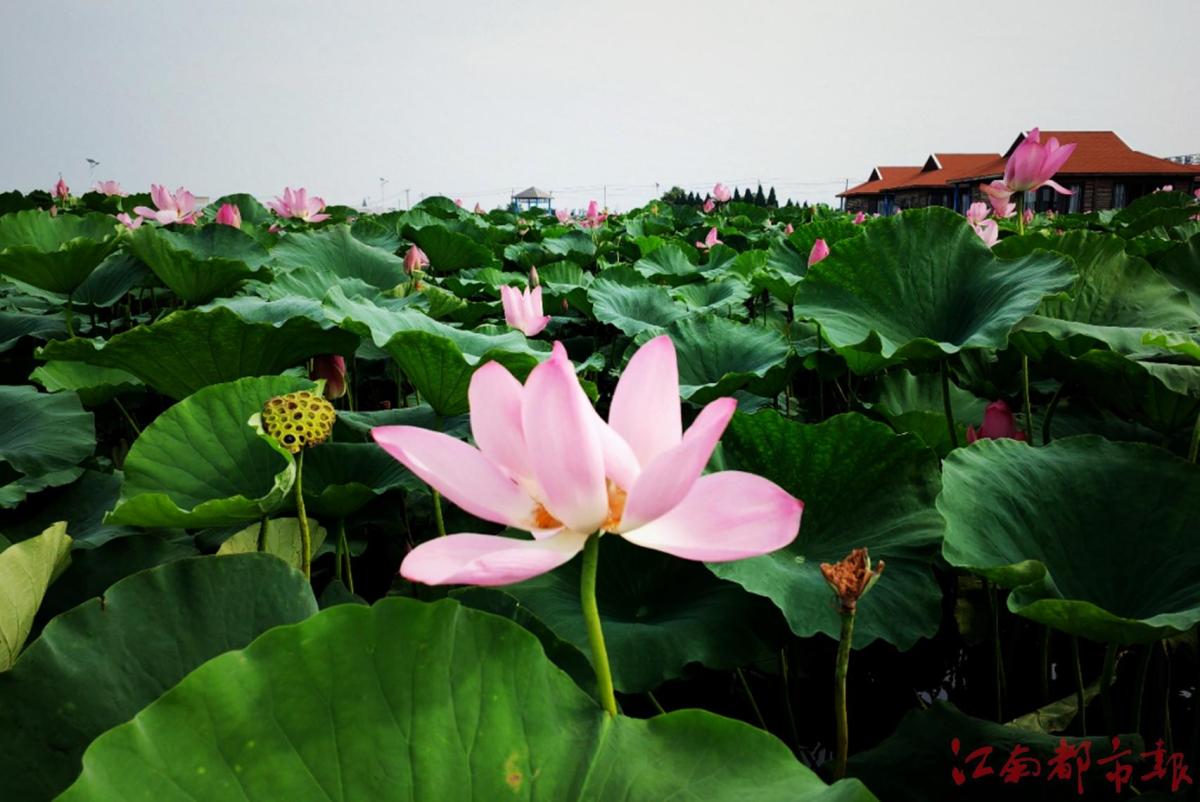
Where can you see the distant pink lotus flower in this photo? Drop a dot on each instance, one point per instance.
(998, 195)
(594, 218)
(820, 250)
(721, 193)
(1027, 216)
(415, 259)
(298, 206)
(563, 215)
(458, 202)
(331, 368)
(479, 209)
(859, 218)
(978, 213)
(548, 464)
(60, 191)
(789, 229)
(1033, 164)
(229, 215)
(523, 309)
(1166, 188)
(178, 207)
(710, 240)
(988, 231)
(709, 205)
(128, 222)
(998, 423)
(109, 188)
(1196, 194)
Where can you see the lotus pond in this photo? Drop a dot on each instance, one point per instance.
(223, 431)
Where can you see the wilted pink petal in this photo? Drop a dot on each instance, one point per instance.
(229, 215)
(330, 367)
(819, 251)
(729, 515)
(488, 560)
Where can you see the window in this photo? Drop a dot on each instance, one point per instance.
(1076, 201)
(1031, 200)
(1118, 196)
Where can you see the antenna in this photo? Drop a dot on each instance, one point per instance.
(92, 165)
(382, 183)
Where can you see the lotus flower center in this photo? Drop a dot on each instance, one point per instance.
(542, 519)
(616, 507)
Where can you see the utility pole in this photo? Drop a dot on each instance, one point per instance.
(846, 188)
(92, 165)
(657, 194)
(382, 183)
(606, 196)
(406, 203)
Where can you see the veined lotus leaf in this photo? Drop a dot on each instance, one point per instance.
(198, 263)
(57, 253)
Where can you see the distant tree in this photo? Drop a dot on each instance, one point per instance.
(759, 198)
(772, 201)
(675, 195)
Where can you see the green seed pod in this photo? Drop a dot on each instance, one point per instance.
(298, 420)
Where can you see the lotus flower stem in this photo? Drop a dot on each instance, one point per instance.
(1140, 684)
(1028, 404)
(839, 694)
(1194, 450)
(997, 652)
(1050, 410)
(1080, 701)
(946, 405)
(1168, 736)
(1045, 667)
(438, 520)
(787, 697)
(262, 533)
(762, 723)
(338, 564)
(69, 313)
(137, 430)
(657, 705)
(305, 537)
(1020, 196)
(1106, 678)
(591, 617)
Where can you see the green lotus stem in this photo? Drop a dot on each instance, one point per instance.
(591, 617)
(1106, 677)
(787, 697)
(1028, 403)
(657, 705)
(1045, 660)
(305, 537)
(1140, 684)
(762, 723)
(1050, 410)
(839, 695)
(1194, 450)
(344, 556)
(1021, 213)
(70, 315)
(1080, 700)
(262, 533)
(137, 430)
(998, 654)
(946, 404)
(338, 566)
(1168, 735)
(437, 513)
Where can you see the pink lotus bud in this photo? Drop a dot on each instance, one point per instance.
(415, 259)
(998, 423)
(229, 215)
(721, 193)
(709, 205)
(860, 218)
(60, 190)
(479, 209)
(1032, 164)
(789, 229)
(331, 368)
(458, 202)
(533, 277)
(562, 215)
(819, 251)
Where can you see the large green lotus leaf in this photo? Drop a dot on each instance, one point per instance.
(333, 253)
(26, 570)
(921, 285)
(717, 356)
(201, 464)
(93, 384)
(437, 358)
(915, 763)
(43, 436)
(1095, 537)
(449, 251)
(577, 246)
(97, 665)
(1115, 300)
(913, 403)
(14, 326)
(862, 485)
(671, 263)
(413, 701)
(357, 426)
(54, 253)
(251, 210)
(112, 279)
(339, 478)
(833, 230)
(659, 614)
(82, 504)
(190, 349)
(199, 263)
(723, 297)
(634, 309)
(281, 537)
(1181, 266)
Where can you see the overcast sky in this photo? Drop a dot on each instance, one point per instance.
(476, 99)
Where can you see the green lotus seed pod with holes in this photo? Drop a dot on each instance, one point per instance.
(298, 420)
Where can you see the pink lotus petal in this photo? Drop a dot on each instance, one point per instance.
(316, 218)
(459, 472)
(819, 251)
(565, 450)
(495, 397)
(161, 198)
(144, 211)
(645, 404)
(666, 481)
(488, 560)
(726, 516)
(166, 216)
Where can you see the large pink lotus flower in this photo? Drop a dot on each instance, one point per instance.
(177, 207)
(110, 188)
(859, 218)
(548, 464)
(721, 193)
(710, 239)
(820, 250)
(998, 423)
(709, 205)
(130, 223)
(594, 218)
(415, 259)
(331, 368)
(1033, 164)
(523, 309)
(562, 215)
(229, 215)
(298, 206)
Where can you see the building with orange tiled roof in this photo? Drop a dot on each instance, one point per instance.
(1103, 173)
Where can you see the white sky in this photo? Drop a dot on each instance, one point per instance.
(475, 99)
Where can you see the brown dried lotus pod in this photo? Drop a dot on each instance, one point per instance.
(298, 420)
(851, 578)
